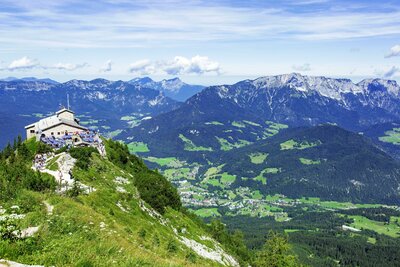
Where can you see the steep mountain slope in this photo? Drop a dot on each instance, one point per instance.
(291, 99)
(102, 104)
(109, 225)
(173, 88)
(387, 136)
(323, 161)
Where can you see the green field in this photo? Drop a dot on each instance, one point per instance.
(238, 124)
(227, 178)
(138, 147)
(161, 161)
(89, 122)
(309, 161)
(261, 176)
(213, 123)
(177, 174)
(252, 123)
(127, 118)
(292, 144)
(392, 136)
(391, 229)
(258, 158)
(226, 145)
(112, 134)
(209, 212)
(190, 146)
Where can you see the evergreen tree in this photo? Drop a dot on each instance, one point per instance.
(276, 253)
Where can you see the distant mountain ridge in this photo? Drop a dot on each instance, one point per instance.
(290, 99)
(173, 88)
(29, 79)
(98, 100)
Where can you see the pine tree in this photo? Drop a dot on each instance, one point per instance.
(276, 253)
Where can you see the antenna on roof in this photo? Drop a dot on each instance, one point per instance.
(68, 101)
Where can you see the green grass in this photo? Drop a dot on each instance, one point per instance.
(177, 174)
(138, 147)
(273, 129)
(258, 158)
(213, 123)
(161, 161)
(213, 170)
(73, 236)
(227, 178)
(112, 134)
(257, 194)
(309, 161)
(361, 222)
(226, 145)
(89, 122)
(215, 182)
(392, 136)
(190, 146)
(238, 124)
(292, 144)
(335, 204)
(207, 212)
(105, 127)
(252, 123)
(52, 164)
(261, 176)
(127, 118)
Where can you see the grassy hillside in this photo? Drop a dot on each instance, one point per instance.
(110, 226)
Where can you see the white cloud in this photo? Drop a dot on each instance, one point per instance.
(394, 51)
(177, 66)
(393, 71)
(140, 23)
(107, 67)
(23, 63)
(304, 67)
(68, 66)
(142, 67)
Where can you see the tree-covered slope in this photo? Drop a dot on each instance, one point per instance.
(324, 161)
(131, 215)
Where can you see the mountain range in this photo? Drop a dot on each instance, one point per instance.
(290, 99)
(98, 101)
(173, 88)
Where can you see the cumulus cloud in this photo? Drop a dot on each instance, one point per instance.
(304, 67)
(23, 63)
(107, 66)
(68, 66)
(177, 66)
(394, 52)
(143, 67)
(391, 72)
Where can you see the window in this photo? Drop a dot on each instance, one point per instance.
(58, 133)
(52, 133)
(32, 131)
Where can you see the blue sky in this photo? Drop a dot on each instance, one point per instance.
(199, 41)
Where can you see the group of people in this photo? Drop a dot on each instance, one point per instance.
(40, 160)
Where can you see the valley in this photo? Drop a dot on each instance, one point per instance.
(256, 171)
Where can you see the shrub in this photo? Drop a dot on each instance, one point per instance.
(172, 246)
(9, 229)
(82, 156)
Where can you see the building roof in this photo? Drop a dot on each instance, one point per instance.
(64, 110)
(52, 121)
